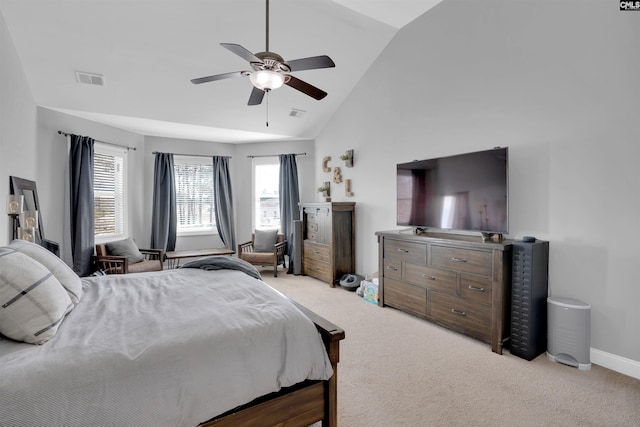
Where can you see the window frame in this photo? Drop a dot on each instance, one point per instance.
(200, 231)
(112, 150)
(255, 212)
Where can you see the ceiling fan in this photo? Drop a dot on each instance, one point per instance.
(270, 70)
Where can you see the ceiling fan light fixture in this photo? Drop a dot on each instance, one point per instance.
(266, 79)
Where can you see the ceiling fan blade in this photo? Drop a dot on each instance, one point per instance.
(306, 88)
(310, 63)
(216, 77)
(256, 96)
(241, 52)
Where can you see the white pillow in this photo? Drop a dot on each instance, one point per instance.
(32, 301)
(65, 275)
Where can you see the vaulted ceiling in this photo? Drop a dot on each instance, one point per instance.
(147, 51)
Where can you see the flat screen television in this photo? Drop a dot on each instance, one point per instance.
(465, 192)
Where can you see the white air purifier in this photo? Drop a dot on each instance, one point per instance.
(569, 332)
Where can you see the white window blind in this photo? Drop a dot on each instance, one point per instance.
(194, 195)
(109, 192)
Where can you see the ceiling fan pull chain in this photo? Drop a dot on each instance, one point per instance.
(267, 105)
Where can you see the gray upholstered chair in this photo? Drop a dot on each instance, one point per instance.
(123, 256)
(266, 248)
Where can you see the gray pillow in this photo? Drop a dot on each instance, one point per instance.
(126, 248)
(264, 240)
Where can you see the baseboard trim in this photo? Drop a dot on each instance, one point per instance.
(615, 363)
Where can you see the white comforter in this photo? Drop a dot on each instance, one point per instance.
(173, 348)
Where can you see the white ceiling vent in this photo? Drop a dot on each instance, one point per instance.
(297, 113)
(90, 78)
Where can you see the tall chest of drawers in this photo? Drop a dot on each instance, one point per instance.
(456, 281)
(328, 249)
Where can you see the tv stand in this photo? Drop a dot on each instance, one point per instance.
(453, 280)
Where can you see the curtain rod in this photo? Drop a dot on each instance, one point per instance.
(193, 155)
(103, 142)
(275, 155)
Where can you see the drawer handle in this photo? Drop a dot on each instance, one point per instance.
(474, 288)
(316, 252)
(458, 312)
(426, 276)
(454, 259)
(406, 251)
(390, 267)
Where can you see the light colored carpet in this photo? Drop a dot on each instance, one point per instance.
(398, 370)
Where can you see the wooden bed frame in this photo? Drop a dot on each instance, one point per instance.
(297, 406)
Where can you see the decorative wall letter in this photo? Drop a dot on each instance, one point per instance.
(325, 166)
(337, 176)
(347, 188)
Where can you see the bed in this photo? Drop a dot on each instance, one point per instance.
(207, 344)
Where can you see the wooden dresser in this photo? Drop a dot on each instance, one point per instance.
(456, 281)
(328, 249)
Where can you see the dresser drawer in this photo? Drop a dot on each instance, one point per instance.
(475, 289)
(467, 260)
(405, 251)
(405, 297)
(316, 251)
(432, 278)
(311, 216)
(392, 269)
(318, 269)
(461, 315)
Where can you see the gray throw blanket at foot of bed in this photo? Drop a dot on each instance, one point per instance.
(224, 263)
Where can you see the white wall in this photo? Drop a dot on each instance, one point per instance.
(17, 124)
(556, 82)
(52, 159)
(178, 146)
(243, 175)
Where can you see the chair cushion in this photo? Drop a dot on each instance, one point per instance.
(65, 275)
(126, 248)
(258, 257)
(264, 240)
(33, 303)
(140, 267)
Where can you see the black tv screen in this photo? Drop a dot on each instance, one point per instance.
(467, 192)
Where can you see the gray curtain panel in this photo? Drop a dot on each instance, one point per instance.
(164, 222)
(289, 199)
(223, 201)
(81, 203)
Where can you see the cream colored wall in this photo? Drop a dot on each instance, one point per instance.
(556, 82)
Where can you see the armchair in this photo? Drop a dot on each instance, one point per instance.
(266, 248)
(123, 256)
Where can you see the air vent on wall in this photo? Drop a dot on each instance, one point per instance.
(90, 78)
(295, 112)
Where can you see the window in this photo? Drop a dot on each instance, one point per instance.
(109, 192)
(266, 192)
(194, 195)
